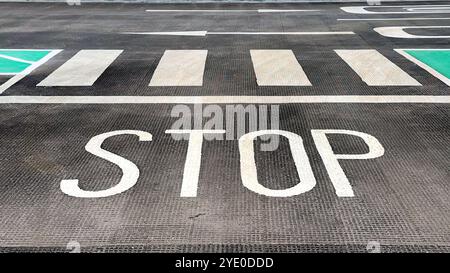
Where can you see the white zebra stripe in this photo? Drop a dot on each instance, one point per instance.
(83, 69)
(180, 68)
(375, 69)
(278, 67)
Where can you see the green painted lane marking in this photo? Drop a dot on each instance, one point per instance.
(27, 55)
(21, 62)
(439, 60)
(14, 61)
(12, 67)
(435, 61)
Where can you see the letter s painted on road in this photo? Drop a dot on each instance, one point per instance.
(129, 169)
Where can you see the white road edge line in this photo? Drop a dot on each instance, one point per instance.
(429, 69)
(223, 99)
(29, 69)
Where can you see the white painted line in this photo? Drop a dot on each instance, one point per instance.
(423, 65)
(285, 33)
(229, 10)
(375, 69)
(193, 161)
(171, 33)
(83, 69)
(201, 10)
(26, 49)
(286, 10)
(399, 32)
(444, 8)
(221, 99)
(204, 33)
(28, 70)
(15, 59)
(180, 68)
(410, 9)
(392, 19)
(278, 67)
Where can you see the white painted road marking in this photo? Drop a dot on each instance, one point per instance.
(375, 69)
(393, 19)
(434, 9)
(229, 10)
(284, 33)
(204, 33)
(222, 99)
(399, 32)
(193, 159)
(423, 65)
(285, 10)
(180, 68)
(249, 173)
(28, 70)
(83, 69)
(130, 172)
(171, 33)
(278, 67)
(201, 10)
(330, 159)
(407, 9)
(14, 59)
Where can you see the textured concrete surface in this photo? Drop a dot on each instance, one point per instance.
(402, 199)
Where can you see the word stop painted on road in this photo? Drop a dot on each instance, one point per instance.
(130, 172)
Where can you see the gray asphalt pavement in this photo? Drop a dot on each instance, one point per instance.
(401, 197)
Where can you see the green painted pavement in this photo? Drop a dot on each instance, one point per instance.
(14, 66)
(439, 60)
(27, 55)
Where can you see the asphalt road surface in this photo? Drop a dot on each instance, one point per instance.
(362, 113)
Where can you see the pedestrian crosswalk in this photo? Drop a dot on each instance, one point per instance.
(375, 69)
(271, 67)
(278, 68)
(180, 68)
(18, 63)
(83, 69)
